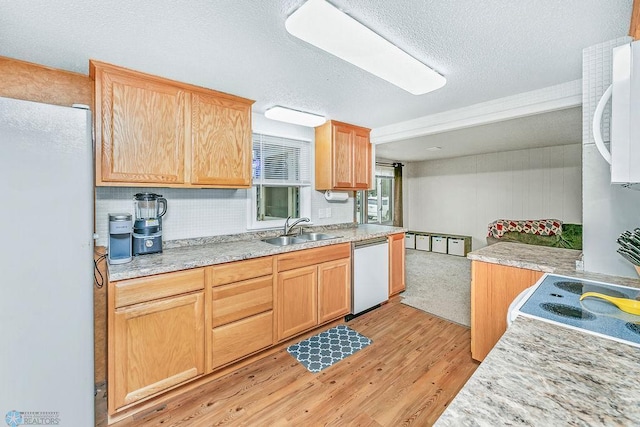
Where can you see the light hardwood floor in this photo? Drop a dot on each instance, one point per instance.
(407, 376)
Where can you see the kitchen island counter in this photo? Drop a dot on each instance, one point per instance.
(193, 253)
(543, 374)
(545, 259)
(531, 257)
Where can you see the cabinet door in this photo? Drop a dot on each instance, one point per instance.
(396, 264)
(334, 289)
(221, 150)
(361, 159)
(297, 303)
(142, 132)
(493, 288)
(155, 346)
(343, 156)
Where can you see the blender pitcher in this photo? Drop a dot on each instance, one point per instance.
(149, 205)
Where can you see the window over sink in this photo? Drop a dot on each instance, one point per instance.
(281, 178)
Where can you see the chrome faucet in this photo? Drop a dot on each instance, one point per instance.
(287, 227)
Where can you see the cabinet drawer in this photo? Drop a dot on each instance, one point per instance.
(238, 339)
(298, 259)
(240, 300)
(134, 291)
(241, 270)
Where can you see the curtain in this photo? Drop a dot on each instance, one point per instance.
(397, 194)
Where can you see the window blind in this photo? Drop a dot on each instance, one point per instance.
(280, 161)
(384, 171)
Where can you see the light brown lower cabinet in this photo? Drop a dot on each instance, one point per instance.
(169, 329)
(334, 289)
(493, 289)
(311, 292)
(155, 346)
(396, 264)
(297, 301)
(241, 310)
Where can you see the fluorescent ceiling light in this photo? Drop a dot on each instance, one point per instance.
(322, 25)
(294, 116)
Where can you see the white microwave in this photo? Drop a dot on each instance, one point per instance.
(624, 92)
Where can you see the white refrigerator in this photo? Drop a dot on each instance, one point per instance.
(46, 265)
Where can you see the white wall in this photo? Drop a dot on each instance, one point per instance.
(608, 209)
(210, 212)
(463, 195)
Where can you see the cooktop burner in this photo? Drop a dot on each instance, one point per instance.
(633, 327)
(576, 287)
(556, 299)
(567, 311)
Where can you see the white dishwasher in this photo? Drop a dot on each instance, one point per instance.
(370, 275)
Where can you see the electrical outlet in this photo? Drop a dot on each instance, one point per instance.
(328, 212)
(321, 213)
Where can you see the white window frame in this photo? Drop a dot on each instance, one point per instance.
(304, 202)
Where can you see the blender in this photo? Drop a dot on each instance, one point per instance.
(147, 228)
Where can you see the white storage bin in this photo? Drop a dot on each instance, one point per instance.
(410, 241)
(439, 244)
(455, 246)
(423, 243)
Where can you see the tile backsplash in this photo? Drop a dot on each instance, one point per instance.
(190, 212)
(202, 212)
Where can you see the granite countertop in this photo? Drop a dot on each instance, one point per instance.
(543, 258)
(192, 253)
(544, 374)
(532, 257)
(541, 374)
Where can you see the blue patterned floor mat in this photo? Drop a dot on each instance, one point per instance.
(328, 347)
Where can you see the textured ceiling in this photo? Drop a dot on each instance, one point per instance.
(486, 50)
(541, 130)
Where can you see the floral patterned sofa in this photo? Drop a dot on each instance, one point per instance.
(542, 232)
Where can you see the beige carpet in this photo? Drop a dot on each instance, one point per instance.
(439, 284)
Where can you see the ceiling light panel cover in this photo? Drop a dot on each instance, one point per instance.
(324, 26)
(288, 115)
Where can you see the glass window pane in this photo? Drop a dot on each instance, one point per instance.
(372, 206)
(360, 195)
(386, 199)
(277, 202)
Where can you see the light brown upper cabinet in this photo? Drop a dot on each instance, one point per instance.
(221, 152)
(343, 157)
(163, 133)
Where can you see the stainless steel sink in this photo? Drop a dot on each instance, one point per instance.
(316, 236)
(301, 238)
(285, 240)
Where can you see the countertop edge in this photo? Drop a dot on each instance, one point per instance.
(206, 254)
